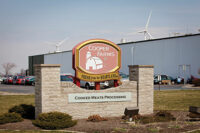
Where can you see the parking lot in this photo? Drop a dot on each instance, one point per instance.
(17, 89)
(170, 87)
(22, 89)
(176, 87)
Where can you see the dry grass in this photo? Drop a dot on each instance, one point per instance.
(8, 101)
(176, 99)
(163, 100)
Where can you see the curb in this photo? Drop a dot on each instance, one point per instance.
(191, 131)
(68, 131)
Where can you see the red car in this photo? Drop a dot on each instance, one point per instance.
(9, 80)
(66, 77)
(23, 80)
(18, 79)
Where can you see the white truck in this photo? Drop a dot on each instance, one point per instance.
(91, 85)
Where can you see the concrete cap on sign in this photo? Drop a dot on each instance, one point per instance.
(47, 65)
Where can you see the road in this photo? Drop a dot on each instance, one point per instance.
(175, 87)
(17, 89)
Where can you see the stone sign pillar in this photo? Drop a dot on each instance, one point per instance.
(143, 74)
(47, 87)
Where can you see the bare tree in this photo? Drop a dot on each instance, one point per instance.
(8, 67)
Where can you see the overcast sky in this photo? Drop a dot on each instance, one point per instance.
(27, 25)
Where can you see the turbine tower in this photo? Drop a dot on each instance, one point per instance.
(147, 35)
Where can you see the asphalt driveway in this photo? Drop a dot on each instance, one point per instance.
(17, 89)
(22, 89)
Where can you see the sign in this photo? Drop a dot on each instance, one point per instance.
(97, 60)
(97, 77)
(99, 97)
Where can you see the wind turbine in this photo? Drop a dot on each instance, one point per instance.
(58, 44)
(147, 35)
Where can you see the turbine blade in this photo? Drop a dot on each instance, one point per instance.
(148, 21)
(142, 31)
(61, 42)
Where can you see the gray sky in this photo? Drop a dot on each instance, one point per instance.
(27, 25)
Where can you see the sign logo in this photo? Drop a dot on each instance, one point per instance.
(97, 58)
(93, 62)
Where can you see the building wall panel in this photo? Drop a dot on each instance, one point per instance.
(167, 55)
(63, 58)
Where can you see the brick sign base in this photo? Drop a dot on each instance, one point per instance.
(53, 95)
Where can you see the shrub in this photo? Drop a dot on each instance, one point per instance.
(26, 111)
(161, 116)
(164, 116)
(96, 118)
(144, 119)
(10, 118)
(194, 115)
(137, 117)
(54, 120)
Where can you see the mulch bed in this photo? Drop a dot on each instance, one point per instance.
(117, 125)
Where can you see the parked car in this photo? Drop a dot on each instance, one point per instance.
(162, 79)
(18, 79)
(179, 80)
(192, 79)
(156, 80)
(66, 77)
(91, 85)
(1, 80)
(173, 81)
(123, 77)
(23, 81)
(9, 80)
(30, 80)
(4, 80)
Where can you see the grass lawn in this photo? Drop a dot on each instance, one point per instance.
(176, 99)
(163, 100)
(8, 101)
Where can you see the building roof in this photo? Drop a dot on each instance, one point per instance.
(187, 35)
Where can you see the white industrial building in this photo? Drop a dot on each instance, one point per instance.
(173, 56)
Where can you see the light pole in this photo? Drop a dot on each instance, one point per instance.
(132, 53)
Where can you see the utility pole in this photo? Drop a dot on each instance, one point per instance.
(132, 53)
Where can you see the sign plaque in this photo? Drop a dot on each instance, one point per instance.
(99, 97)
(97, 60)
